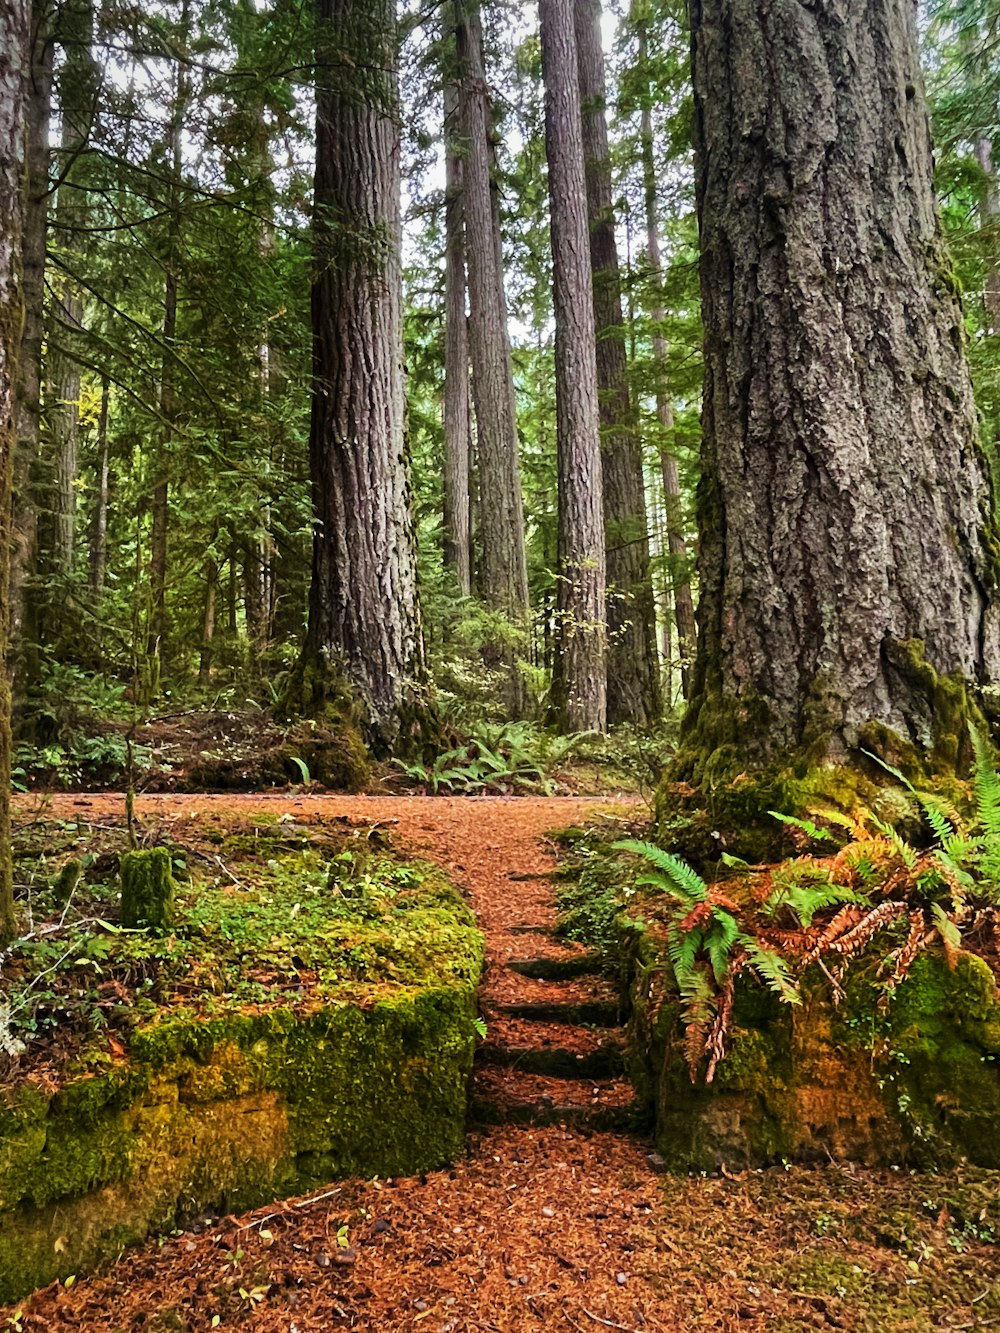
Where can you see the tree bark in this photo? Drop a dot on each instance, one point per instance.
(503, 568)
(99, 528)
(28, 403)
(680, 581)
(363, 618)
(14, 71)
(580, 688)
(845, 566)
(457, 444)
(77, 85)
(633, 667)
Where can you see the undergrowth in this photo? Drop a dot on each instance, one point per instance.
(865, 891)
(273, 924)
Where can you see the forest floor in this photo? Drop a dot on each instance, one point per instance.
(556, 1219)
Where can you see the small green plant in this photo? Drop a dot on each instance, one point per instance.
(708, 949)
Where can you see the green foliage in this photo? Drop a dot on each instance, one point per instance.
(305, 923)
(805, 826)
(804, 889)
(707, 949)
(879, 895)
(496, 757)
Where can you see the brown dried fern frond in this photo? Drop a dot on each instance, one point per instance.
(856, 939)
(846, 918)
(695, 1042)
(715, 1039)
(898, 963)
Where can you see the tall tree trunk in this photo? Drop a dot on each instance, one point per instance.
(503, 568)
(989, 221)
(99, 528)
(633, 668)
(680, 580)
(362, 604)
(208, 623)
(580, 690)
(28, 404)
(159, 531)
(77, 84)
(15, 62)
(457, 444)
(844, 565)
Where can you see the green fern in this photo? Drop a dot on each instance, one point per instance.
(677, 878)
(804, 900)
(987, 787)
(719, 941)
(772, 969)
(805, 825)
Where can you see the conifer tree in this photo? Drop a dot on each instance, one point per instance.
(846, 563)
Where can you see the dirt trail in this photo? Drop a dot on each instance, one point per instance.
(551, 1223)
(538, 1222)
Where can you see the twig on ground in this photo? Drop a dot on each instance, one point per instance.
(609, 1323)
(300, 1203)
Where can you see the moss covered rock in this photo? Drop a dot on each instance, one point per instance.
(919, 1082)
(227, 1112)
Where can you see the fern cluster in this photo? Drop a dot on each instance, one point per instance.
(872, 890)
(708, 949)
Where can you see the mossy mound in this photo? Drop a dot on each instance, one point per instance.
(919, 1083)
(329, 753)
(327, 1028)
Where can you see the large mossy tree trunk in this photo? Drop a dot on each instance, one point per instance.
(363, 620)
(14, 68)
(633, 665)
(580, 678)
(847, 560)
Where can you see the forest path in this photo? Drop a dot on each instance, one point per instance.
(538, 1228)
(538, 1225)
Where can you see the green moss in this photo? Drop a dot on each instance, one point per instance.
(329, 740)
(919, 1081)
(735, 815)
(228, 1111)
(940, 1059)
(147, 890)
(726, 775)
(332, 751)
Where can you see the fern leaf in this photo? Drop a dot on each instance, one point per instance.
(891, 768)
(772, 970)
(987, 786)
(940, 824)
(951, 936)
(719, 943)
(805, 825)
(681, 875)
